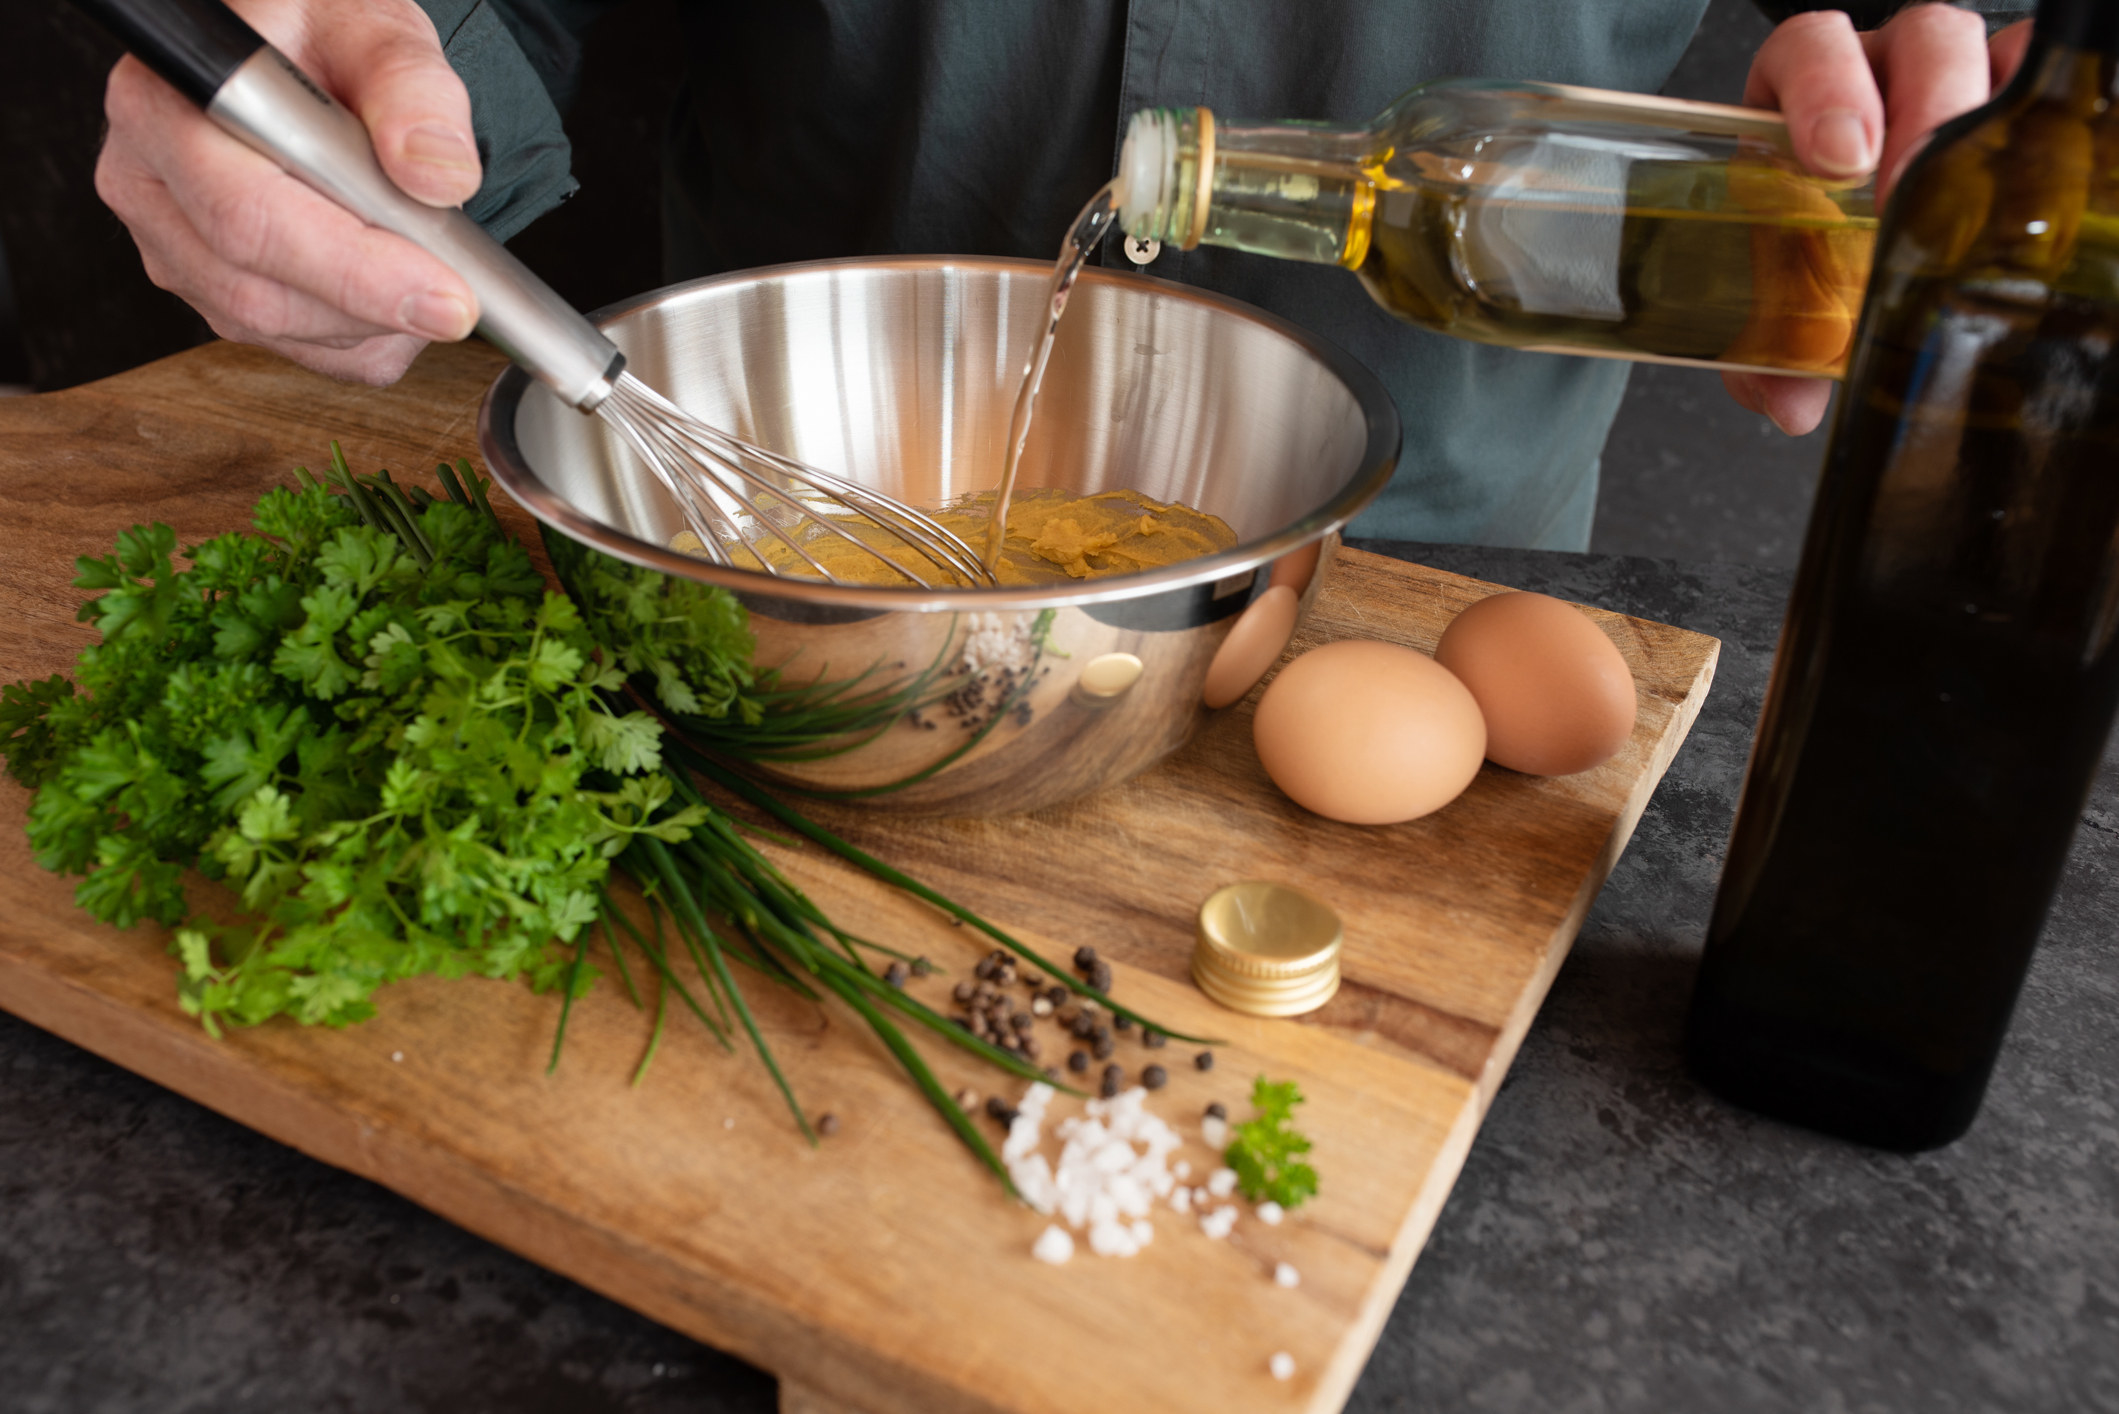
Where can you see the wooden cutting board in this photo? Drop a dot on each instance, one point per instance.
(883, 1271)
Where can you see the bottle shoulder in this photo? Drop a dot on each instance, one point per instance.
(2016, 197)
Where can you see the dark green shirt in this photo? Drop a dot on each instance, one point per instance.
(816, 128)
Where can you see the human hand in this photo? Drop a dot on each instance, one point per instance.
(264, 257)
(1858, 102)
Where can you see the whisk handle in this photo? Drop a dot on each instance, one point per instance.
(258, 95)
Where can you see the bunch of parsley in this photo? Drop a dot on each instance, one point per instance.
(373, 722)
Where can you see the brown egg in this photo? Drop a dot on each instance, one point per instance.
(1556, 694)
(1369, 733)
(1253, 645)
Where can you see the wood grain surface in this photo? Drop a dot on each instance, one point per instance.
(882, 1271)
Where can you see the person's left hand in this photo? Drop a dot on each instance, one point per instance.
(1858, 102)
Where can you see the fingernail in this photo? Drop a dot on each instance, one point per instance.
(444, 152)
(1839, 143)
(434, 315)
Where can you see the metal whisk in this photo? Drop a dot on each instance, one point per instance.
(732, 494)
(735, 494)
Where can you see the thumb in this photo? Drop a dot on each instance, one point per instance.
(385, 61)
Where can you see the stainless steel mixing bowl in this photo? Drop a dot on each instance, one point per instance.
(900, 373)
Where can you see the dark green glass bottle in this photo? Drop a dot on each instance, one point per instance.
(1947, 673)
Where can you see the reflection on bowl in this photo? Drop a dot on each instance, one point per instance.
(900, 373)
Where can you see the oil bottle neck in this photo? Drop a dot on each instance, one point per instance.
(2090, 26)
(1292, 190)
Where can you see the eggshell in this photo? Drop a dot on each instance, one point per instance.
(1369, 733)
(1254, 644)
(1554, 689)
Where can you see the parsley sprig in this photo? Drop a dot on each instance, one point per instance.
(1266, 1151)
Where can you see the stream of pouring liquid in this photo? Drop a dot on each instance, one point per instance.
(1082, 238)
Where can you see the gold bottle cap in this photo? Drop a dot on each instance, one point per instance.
(1267, 949)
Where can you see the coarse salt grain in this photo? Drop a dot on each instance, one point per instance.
(1282, 1365)
(1215, 1130)
(1218, 1223)
(1053, 1245)
(1285, 1275)
(1270, 1213)
(1182, 1169)
(1113, 1165)
(397, 1055)
(1222, 1182)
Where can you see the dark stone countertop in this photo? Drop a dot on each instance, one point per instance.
(1619, 1241)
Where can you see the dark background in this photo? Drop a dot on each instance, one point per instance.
(1687, 473)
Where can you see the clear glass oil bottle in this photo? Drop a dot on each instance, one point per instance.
(1949, 668)
(1537, 216)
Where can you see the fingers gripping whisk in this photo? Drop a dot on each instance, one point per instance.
(738, 499)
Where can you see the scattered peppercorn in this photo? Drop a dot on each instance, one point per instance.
(1114, 1080)
(1155, 1077)
(961, 991)
(1000, 1111)
(1022, 1020)
(1204, 1060)
(1083, 1026)
(1102, 1045)
(1078, 1062)
(1122, 1021)
(895, 974)
(1056, 994)
(1033, 980)
(921, 967)
(828, 1126)
(1084, 958)
(1100, 977)
(1153, 1039)
(1217, 1110)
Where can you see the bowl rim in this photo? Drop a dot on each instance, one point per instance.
(511, 470)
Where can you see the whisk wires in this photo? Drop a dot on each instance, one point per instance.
(735, 496)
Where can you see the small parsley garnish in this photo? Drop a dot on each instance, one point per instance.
(1266, 1150)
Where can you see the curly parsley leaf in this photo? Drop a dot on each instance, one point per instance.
(1266, 1151)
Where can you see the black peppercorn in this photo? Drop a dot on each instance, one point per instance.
(1122, 1022)
(1155, 1077)
(1100, 977)
(1217, 1110)
(1153, 1039)
(895, 974)
(1103, 1045)
(1000, 1111)
(1078, 1062)
(1114, 1080)
(828, 1126)
(1084, 958)
(1204, 1060)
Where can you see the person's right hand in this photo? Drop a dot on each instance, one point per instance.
(264, 257)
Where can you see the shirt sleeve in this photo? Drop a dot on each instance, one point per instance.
(528, 161)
